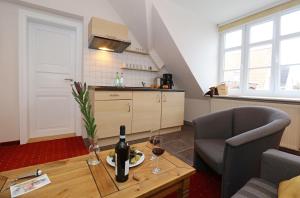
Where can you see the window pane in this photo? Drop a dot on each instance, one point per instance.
(232, 79)
(259, 79)
(233, 39)
(232, 60)
(261, 32)
(289, 78)
(260, 56)
(289, 51)
(290, 23)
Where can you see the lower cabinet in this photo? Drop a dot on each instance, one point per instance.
(172, 109)
(139, 111)
(110, 115)
(146, 111)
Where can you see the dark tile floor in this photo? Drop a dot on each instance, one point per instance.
(180, 144)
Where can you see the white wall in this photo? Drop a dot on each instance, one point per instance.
(9, 125)
(99, 67)
(194, 108)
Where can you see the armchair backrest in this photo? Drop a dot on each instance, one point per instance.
(249, 118)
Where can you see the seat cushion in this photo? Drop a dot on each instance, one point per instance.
(257, 188)
(211, 151)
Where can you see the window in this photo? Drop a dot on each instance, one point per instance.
(263, 57)
(233, 58)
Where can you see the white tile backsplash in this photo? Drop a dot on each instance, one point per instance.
(100, 68)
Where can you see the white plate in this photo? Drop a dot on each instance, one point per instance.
(142, 158)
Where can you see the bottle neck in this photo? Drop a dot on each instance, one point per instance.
(122, 138)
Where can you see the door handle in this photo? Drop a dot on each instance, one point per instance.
(69, 79)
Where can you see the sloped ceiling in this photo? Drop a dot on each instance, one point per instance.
(184, 33)
(174, 62)
(133, 13)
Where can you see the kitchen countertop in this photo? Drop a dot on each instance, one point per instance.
(112, 88)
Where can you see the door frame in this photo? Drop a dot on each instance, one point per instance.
(26, 16)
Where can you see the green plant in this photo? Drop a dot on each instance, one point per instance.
(81, 95)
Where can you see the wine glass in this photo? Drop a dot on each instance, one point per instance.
(151, 137)
(157, 150)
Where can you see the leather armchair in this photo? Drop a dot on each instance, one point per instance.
(231, 142)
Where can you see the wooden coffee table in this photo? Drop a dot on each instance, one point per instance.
(75, 178)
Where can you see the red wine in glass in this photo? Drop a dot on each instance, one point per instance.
(158, 151)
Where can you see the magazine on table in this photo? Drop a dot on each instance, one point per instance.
(30, 185)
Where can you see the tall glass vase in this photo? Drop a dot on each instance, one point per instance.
(94, 151)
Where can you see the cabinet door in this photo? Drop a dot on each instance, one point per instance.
(146, 111)
(172, 109)
(110, 115)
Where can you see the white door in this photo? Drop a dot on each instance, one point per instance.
(52, 60)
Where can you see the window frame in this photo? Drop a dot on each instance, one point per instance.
(274, 89)
(222, 52)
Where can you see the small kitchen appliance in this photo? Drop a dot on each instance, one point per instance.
(167, 81)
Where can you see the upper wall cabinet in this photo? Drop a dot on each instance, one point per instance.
(172, 109)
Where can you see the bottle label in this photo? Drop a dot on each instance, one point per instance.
(126, 167)
(116, 165)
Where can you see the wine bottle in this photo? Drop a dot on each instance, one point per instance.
(122, 157)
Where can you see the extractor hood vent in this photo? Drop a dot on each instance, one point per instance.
(107, 35)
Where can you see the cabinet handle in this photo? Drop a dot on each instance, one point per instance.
(158, 98)
(114, 94)
(129, 107)
(164, 99)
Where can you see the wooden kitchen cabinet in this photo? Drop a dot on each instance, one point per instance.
(172, 109)
(146, 112)
(139, 110)
(110, 115)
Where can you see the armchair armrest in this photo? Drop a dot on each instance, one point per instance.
(214, 125)
(277, 166)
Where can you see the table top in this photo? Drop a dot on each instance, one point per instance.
(73, 177)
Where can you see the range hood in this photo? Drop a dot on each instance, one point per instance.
(107, 35)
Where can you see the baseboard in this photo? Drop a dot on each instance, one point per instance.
(10, 143)
(53, 137)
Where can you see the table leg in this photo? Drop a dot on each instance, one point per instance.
(184, 191)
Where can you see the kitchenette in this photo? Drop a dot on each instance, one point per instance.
(129, 86)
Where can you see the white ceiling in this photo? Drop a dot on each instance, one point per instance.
(220, 11)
